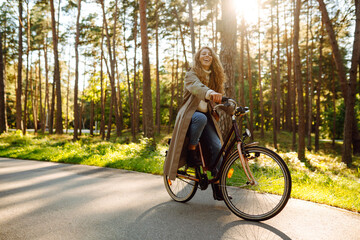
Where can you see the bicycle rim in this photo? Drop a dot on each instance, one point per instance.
(263, 200)
(181, 189)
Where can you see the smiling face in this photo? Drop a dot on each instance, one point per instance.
(205, 58)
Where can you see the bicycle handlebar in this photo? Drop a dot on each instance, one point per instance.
(226, 102)
(224, 99)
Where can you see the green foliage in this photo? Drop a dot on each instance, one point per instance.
(141, 156)
(339, 121)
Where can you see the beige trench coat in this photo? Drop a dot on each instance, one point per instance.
(194, 91)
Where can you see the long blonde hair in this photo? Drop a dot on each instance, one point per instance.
(217, 75)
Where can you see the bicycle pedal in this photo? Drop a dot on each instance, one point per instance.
(204, 182)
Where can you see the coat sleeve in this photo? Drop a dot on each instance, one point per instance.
(195, 86)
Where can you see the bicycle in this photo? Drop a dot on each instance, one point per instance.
(255, 181)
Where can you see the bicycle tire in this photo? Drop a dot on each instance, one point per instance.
(181, 189)
(263, 200)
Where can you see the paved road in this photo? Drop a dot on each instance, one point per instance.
(42, 200)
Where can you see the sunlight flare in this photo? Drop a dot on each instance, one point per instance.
(248, 9)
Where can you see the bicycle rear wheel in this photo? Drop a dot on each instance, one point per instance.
(268, 196)
(182, 189)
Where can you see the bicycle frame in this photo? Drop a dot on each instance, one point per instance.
(225, 151)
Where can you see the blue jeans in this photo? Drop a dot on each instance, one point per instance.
(201, 126)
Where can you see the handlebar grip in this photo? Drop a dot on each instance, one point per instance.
(224, 99)
(242, 110)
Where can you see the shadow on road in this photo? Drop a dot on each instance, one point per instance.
(252, 230)
(172, 220)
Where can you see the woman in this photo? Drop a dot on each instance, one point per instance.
(196, 119)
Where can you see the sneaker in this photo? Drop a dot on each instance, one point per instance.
(193, 158)
(217, 194)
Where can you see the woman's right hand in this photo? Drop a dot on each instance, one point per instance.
(216, 97)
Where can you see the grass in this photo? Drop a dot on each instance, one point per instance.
(321, 178)
(88, 151)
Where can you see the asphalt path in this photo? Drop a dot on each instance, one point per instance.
(43, 200)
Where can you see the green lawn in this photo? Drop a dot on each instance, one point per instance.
(321, 178)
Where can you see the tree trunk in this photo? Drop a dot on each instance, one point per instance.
(36, 106)
(278, 75)
(110, 118)
(353, 131)
(260, 80)
(111, 104)
(2, 90)
(289, 88)
(131, 107)
(199, 38)
(310, 78)
(51, 118)
(46, 100)
(102, 124)
(157, 119)
(25, 117)
(273, 83)
(67, 99)
(192, 32)
(216, 31)
(58, 126)
(92, 109)
(178, 97)
(318, 91)
(227, 54)
(76, 87)
(355, 137)
(318, 119)
(4, 72)
(241, 67)
(19, 76)
(27, 69)
(250, 89)
(334, 106)
(118, 105)
(33, 98)
(82, 108)
(40, 94)
(297, 69)
(353, 76)
(293, 145)
(172, 92)
(135, 83)
(306, 88)
(147, 101)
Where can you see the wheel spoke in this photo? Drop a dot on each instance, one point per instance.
(264, 199)
(181, 189)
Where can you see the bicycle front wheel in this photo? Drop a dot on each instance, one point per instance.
(182, 189)
(264, 199)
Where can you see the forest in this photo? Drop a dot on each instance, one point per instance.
(117, 66)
